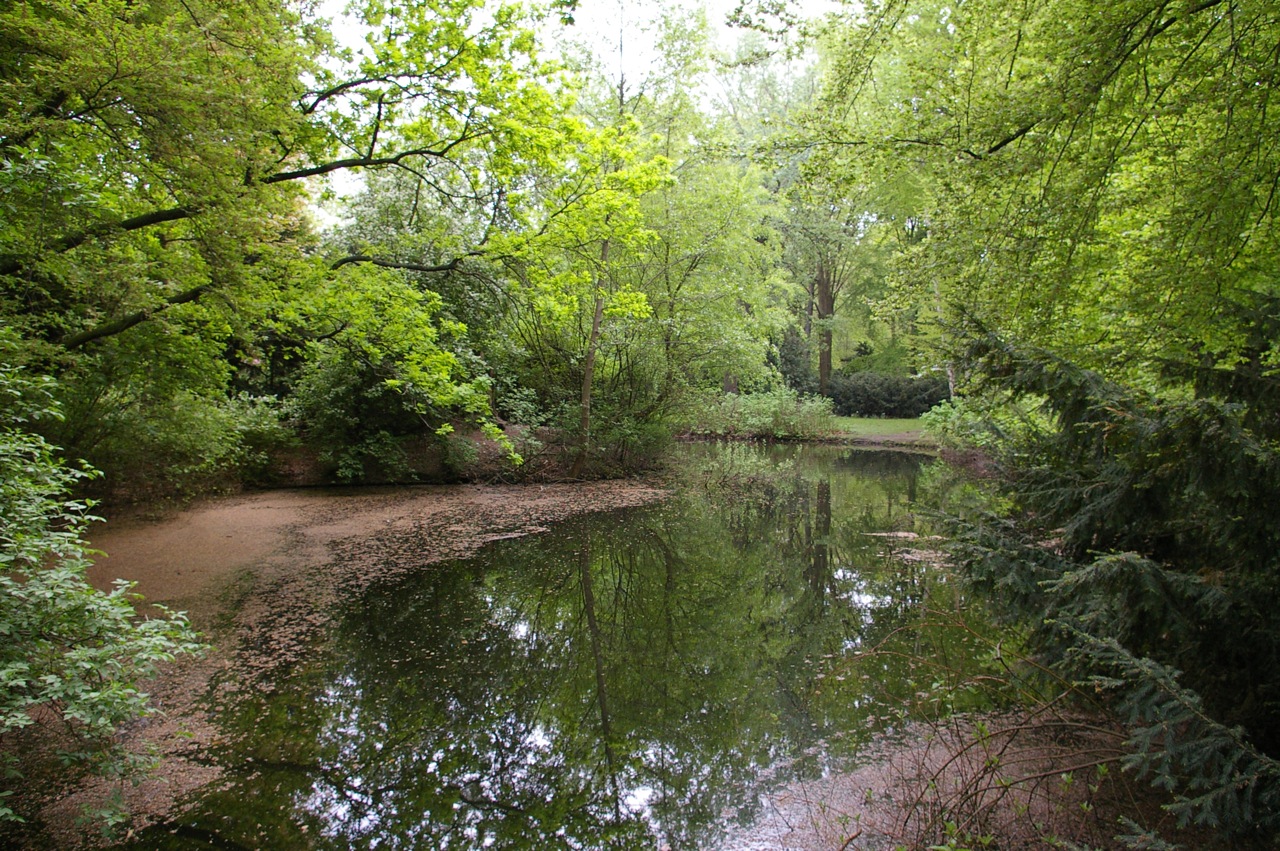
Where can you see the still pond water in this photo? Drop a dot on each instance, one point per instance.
(633, 679)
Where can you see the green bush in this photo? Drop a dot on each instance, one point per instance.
(350, 413)
(875, 394)
(622, 442)
(161, 441)
(975, 422)
(634, 444)
(192, 443)
(65, 646)
(1135, 539)
(780, 413)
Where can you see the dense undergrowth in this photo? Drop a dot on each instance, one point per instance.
(1126, 532)
(73, 658)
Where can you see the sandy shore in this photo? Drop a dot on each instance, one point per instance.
(259, 573)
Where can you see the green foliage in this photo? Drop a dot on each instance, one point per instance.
(780, 413)
(1223, 780)
(873, 394)
(794, 362)
(521, 238)
(891, 356)
(517, 404)
(1095, 178)
(347, 410)
(641, 280)
(1098, 239)
(376, 362)
(155, 236)
(68, 649)
(973, 421)
(626, 441)
(1134, 545)
(260, 434)
(460, 453)
(187, 444)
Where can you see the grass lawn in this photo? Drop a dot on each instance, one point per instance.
(868, 427)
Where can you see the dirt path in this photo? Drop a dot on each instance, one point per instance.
(259, 574)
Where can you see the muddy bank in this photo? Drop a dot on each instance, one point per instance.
(259, 574)
(263, 574)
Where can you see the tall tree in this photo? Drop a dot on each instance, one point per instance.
(1101, 176)
(641, 282)
(1103, 182)
(563, 269)
(824, 229)
(155, 156)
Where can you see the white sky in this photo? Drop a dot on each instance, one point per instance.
(621, 34)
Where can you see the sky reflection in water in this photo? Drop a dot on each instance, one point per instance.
(633, 679)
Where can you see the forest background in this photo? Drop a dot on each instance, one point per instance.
(1062, 214)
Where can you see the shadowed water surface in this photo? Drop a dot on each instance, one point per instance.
(634, 679)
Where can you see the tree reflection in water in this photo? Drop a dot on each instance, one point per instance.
(629, 680)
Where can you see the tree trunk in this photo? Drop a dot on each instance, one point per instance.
(597, 659)
(826, 298)
(589, 368)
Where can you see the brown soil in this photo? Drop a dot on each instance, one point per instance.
(1016, 781)
(258, 574)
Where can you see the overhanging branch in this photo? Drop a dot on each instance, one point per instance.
(110, 329)
(157, 217)
(368, 161)
(146, 220)
(397, 264)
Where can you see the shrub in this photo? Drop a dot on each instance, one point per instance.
(975, 422)
(780, 413)
(70, 650)
(160, 442)
(875, 394)
(1134, 541)
(355, 418)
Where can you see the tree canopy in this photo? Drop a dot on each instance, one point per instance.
(1097, 182)
(1064, 212)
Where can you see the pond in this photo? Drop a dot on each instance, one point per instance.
(642, 678)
